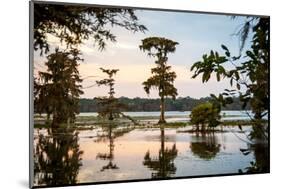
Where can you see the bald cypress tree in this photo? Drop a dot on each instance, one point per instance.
(109, 107)
(162, 77)
(59, 88)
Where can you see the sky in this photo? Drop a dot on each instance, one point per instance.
(196, 34)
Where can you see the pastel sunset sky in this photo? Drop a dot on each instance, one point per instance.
(196, 34)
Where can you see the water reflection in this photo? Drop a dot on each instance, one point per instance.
(261, 155)
(114, 153)
(110, 132)
(57, 157)
(110, 155)
(261, 152)
(162, 166)
(206, 146)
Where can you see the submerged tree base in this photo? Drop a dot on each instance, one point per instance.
(162, 122)
(85, 122)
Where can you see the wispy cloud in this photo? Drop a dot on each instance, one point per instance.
(196, 33)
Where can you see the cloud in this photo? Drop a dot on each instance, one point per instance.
(127, 46)
(130, 77)
(196, 33)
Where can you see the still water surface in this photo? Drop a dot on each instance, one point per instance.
(181, 115)
(68, 156)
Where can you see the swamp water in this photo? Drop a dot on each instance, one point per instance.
(69, 156)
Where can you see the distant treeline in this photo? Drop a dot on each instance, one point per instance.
(146, 104)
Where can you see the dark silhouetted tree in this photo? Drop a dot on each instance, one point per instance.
(249, 75)
(150, 104)
(57, 158)
(74, 23)
(110, 107)
(59, 89)
(261, 155)
(162, 78)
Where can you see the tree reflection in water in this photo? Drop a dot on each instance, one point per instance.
(163, 165)
(261, 154)
(111, 133)
(207, 148)
(57, 157)
(108, 156)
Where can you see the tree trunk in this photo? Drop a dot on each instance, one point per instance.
(48, 119)
(258, 127)
(162, 109)
(197, 127)
(203, 128)
(162, 141)
(56, 119)
(110, 116)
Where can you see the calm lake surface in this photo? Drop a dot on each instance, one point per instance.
(68, 156)
(182, 116)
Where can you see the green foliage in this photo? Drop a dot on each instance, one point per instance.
(250, 75)
(158, 47)
(206, 114)
(211, 63)
(73, 24)
(149, 104)
(57, 91)
(162, 77)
